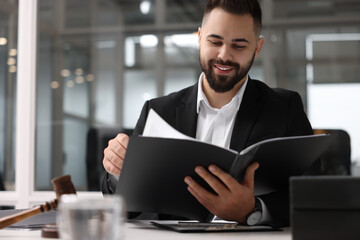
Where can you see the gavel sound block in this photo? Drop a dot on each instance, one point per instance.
(62, 185)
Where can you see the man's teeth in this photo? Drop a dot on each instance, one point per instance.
(223, 69)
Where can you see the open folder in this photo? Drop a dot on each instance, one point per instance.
(152, 178)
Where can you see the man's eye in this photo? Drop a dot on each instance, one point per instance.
(215, 43)
(239, 47)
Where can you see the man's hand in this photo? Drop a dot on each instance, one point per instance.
(114, 154)
(234, 201)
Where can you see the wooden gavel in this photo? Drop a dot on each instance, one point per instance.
(62, 185)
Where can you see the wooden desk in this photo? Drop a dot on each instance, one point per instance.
(144, 231)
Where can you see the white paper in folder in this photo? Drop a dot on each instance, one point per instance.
(155, 126)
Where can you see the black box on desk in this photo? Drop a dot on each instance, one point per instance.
(325, 207)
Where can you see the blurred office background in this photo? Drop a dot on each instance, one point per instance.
(97, 61)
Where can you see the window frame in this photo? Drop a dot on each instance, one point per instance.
(24, 195)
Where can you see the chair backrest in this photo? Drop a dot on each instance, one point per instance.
(336, 160)
(2, 187)
(97, 141)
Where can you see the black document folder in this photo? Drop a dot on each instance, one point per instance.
(152, 178)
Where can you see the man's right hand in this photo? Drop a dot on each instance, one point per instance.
(114, 154)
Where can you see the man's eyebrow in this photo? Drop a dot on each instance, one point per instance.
(240, 40)
(233, 40)
(215, 36)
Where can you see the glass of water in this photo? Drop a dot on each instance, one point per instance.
(91, 219)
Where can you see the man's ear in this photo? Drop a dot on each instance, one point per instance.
(199, 36)
(259, 45)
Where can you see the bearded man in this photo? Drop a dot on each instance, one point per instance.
(227, 108)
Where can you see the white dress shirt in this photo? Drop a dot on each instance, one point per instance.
(216, 125)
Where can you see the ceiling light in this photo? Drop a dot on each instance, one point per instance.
(148, 41)
(90, 77)
(3, 41)
(54, 84)
(12, 52)
(79, 71)
(65, 73)
(182, 40)
(12, 69)
(79, 79)
(129, 52)
(11, 61)
(145, 7)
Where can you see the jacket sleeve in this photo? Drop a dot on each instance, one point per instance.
(278, 203)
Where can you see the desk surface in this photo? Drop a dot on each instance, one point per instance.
(143, 230)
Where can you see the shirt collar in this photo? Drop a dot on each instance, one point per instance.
(202, 98)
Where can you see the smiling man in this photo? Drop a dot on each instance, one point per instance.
(227, 108)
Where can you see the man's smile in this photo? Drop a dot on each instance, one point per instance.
(221, 69)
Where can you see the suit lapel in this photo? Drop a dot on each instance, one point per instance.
(249, 110)
(186, 115)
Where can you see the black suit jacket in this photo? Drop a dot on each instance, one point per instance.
(264, 113)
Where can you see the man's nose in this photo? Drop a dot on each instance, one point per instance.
(225, 53)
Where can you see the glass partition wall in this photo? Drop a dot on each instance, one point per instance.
(8, 75)
(96, 66)
(98, 61)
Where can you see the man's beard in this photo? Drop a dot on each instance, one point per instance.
(222, 83)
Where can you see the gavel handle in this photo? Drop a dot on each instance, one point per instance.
(17, 217)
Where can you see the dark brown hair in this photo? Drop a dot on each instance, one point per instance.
(238, 7)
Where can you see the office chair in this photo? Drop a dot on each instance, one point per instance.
(97, 141)
(336, 160)
(2, 187)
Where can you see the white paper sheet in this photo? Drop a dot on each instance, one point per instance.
(155, 126)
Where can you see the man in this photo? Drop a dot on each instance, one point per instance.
(229, 109)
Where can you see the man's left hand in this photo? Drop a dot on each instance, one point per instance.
(234, 201)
